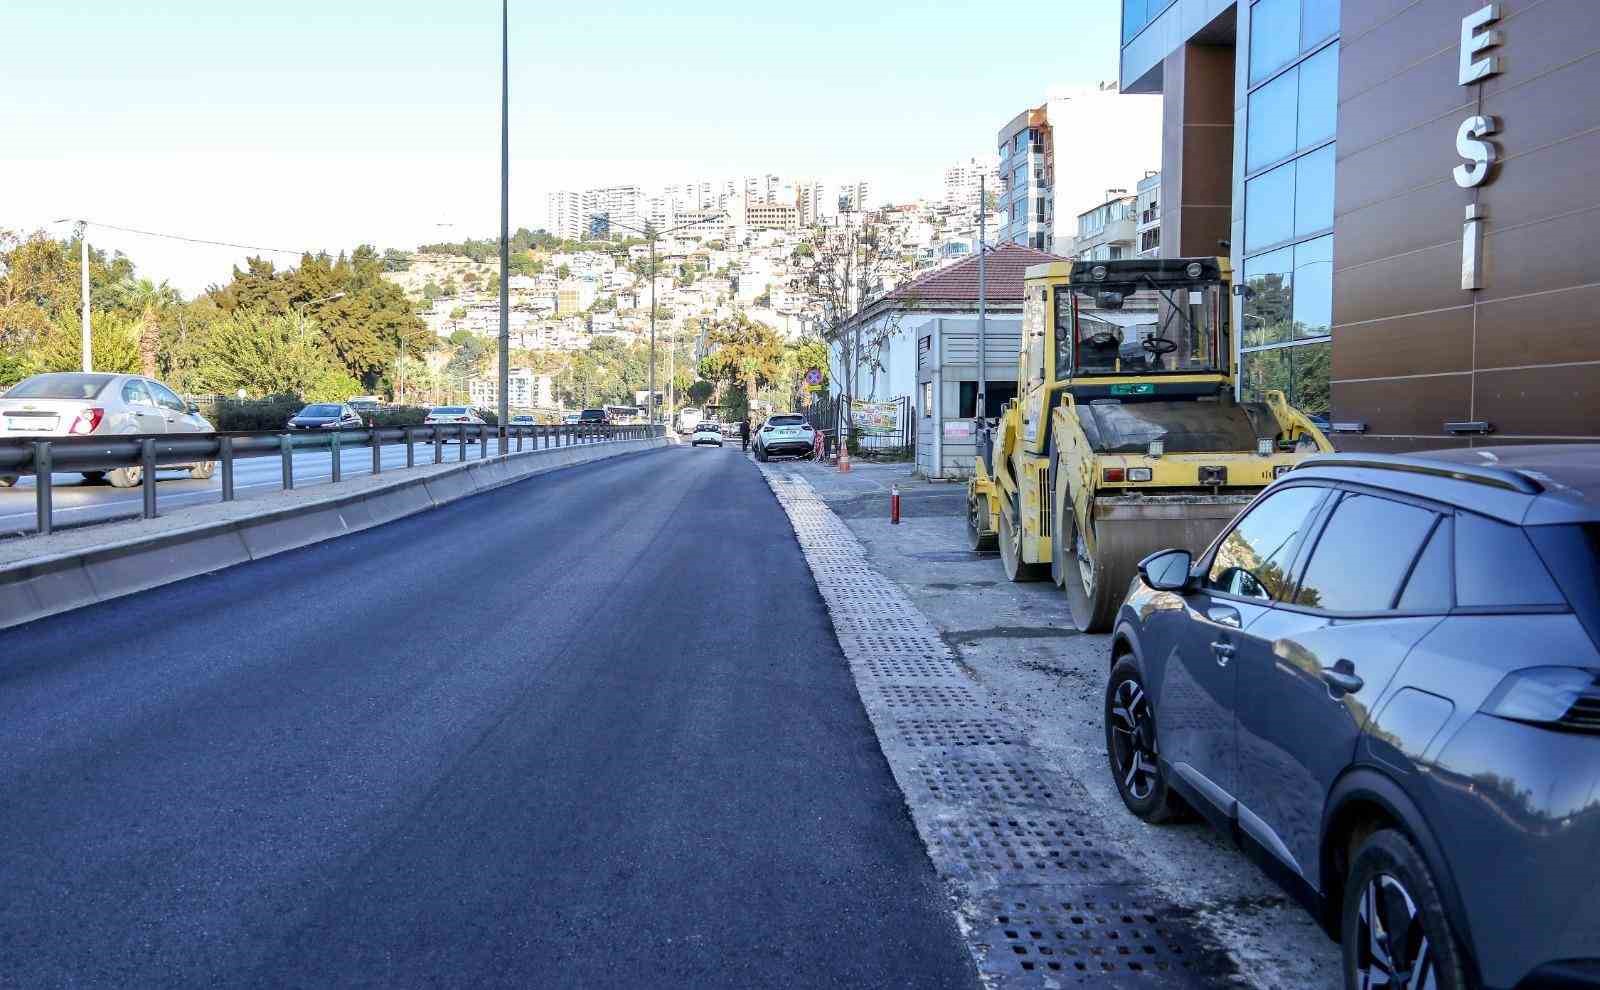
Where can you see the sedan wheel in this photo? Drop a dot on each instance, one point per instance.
(1395, 929)
(1132, 748)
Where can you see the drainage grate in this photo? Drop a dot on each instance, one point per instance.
(1046, 848)
(872, 643)
(845, 622)
(1094, 939)
(927, 696)
(954, 732)
(998, 781)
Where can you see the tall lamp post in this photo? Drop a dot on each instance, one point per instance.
(651, 234)
(505, 223)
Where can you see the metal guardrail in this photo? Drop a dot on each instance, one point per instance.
(152, 451)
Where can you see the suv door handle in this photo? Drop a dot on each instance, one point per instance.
(1223, 650)
(1341, 679)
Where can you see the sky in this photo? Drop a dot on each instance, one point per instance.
(312, 124)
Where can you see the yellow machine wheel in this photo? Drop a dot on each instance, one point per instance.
(980, 528)
(1017, 570)
(1095, 581)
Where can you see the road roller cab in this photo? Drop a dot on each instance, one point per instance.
(1125, 436)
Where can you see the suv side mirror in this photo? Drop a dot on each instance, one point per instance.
(1167, 570)
(194, 408)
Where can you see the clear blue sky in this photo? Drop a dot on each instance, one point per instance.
(315, 123)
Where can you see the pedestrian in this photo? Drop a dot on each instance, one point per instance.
(744, 434)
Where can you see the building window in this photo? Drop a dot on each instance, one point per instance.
(927, 398)
(1291, 111)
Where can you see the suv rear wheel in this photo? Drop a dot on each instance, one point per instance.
(1395, 929)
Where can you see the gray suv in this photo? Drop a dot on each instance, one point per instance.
(1383, 679)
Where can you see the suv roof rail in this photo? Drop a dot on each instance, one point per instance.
(1481, 474)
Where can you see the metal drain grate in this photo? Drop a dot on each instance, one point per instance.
(927, 696)
(874, 643)
(954, 732)
(854, 622)
(997, 781)
(1022, 849)
(1102, 937)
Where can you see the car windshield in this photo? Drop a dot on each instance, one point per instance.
(320, 411)
(73, 386)
(593, 414)
(786, 421)
(707, 428)
(1138, 328)
(450, 411)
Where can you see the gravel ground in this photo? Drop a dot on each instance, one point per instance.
(1018, 642)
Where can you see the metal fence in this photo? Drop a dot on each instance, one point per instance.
(827, 414)
(149, 452)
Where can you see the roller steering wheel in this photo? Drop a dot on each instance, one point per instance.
(1158, 345)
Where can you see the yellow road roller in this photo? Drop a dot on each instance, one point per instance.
(1125, 436)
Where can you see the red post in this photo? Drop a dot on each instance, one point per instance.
(894, 505)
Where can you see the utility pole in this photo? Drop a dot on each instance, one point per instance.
(983, 299)
(652, 235)
(505, 220)
(83, 247)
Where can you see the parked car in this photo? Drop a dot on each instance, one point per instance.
(454, 416)
(594, 416)
(63, 404)
(784, 435)
(523, 419)
(326, 416)
(1384, 679)
(364, 404)
(706, 433)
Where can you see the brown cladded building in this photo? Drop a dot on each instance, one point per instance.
(1410, 193)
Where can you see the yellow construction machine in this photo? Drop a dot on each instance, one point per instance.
(1125, 436)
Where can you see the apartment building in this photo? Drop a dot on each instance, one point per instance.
(1108, 231)
(564, 214)
(963, 180)
(1147, 203)
(1408, 194)
(524, 390)
(1057, 160)
(854, 197)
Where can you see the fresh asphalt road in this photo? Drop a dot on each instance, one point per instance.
(78, 502)
(591, 729)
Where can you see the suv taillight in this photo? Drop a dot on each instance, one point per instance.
(87, 422)
(1553, 697)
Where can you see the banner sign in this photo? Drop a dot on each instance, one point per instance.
(875, 418)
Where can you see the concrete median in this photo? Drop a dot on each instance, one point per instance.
(47, 575)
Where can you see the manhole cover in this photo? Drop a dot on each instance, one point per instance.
(995, 781)
(955, 731)
(927, 696)
(1027, 849)
(1108, 937)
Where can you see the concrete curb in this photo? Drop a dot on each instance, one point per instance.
(51, 584)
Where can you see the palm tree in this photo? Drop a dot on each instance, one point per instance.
(151, 301)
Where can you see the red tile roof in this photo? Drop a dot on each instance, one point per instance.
(959, 282)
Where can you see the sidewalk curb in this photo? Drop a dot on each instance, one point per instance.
(55, 583)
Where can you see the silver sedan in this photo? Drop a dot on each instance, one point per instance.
(74, 404)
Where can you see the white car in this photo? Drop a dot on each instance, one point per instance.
(448, 416)
(784, 435)
(81, 404)
(706, 433)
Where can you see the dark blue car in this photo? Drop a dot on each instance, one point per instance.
(1383, 679)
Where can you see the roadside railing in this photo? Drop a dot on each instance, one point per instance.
(151, 452)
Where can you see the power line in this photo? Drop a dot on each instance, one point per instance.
(192, 240)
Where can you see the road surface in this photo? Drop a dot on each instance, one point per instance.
(78, 502)
(592, 729)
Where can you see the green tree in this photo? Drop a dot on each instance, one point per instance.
(265, 354)
(745, 355)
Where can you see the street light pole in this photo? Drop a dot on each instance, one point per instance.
(505, 220)
(83, 247)
(983, 303)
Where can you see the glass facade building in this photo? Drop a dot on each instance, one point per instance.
(1291, 78)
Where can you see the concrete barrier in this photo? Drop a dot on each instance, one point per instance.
(73, 569)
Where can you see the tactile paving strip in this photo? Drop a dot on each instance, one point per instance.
(955, 732)
(927, 696)
(985, 781)
(903, 666)
(1104, 937)
(1019, 849)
